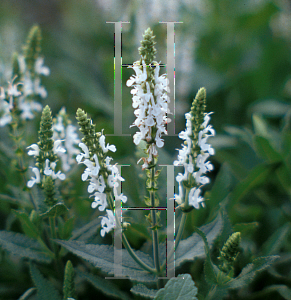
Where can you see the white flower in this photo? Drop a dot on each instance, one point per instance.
(196, 166)
(82, 155)
(202, 139)
(178, 198)
(12, 91)
(99, 200)
(114, 177)
(49, 170)
(57, 147)
(40, 68)
(97, 184)
(150, 108)
(141, 75)
(194, 198)
(39, 89)
(35, 150)
(107, 223)
(112, 148)
(6, 117)
(27, 108)
(33, 180)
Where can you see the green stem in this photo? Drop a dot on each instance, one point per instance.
(126, 243)
(179, 234)
(135, 257)
(53, 232)
(20, 159)
(154, 223)
(58, 262)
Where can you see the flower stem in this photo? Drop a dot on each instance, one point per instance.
(179, 234)
(154, 223)
(53, 232)
(126, 243)
(19, 152)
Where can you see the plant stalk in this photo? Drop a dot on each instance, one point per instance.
(126, 243)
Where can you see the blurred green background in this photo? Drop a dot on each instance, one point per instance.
(238, 50)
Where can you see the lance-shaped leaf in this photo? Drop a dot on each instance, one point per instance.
(23, 246)
(55, 211)
(178, 288)
(87, 231)
(249, 272)
(103, 285)
(257, 176)
(142, 290)
(276, 240)
(193, 247)
(28, 227)
(102, 257)
(45, 289)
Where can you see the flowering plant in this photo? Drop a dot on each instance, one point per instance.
(46, 235)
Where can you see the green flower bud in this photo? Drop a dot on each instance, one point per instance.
(46, 142)
(147, 49)
(197, 113)
(49, 191)
(69, 285)
(32, 48)
(15, 68)
(229, 252)
(91, 138)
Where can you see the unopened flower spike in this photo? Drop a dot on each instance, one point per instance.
(46, 154)
(229, 252)
(194, 154)
(149, 100)
(104, 179)
(32, 48)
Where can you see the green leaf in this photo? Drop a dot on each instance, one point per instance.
(69, 285)
(142, 290)
(28, 227)
(270, 154)
(65, 229)
(87, 231)
(250, 271)
(193, 247)
(260, 126)
(55, 211)
(210, 269)
(45, 289)
(23, 246)
(276, 240)
(221, 187)
(257, 176)
(216, 293)
(270, 108)
(266, 150)
(178, 288)
(244, 134)
(242, 227)
(104, 285)
(102, 257)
